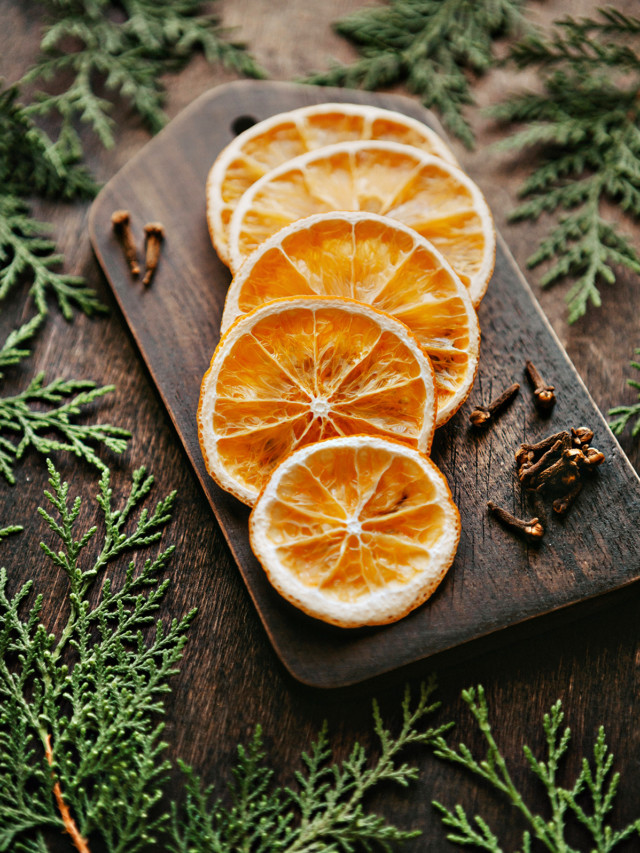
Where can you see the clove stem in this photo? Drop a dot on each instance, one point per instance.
(154, 232)
(481, 415)
(531, 530)
(562, 504)
(69, 823)
(543, 394)
(121, 221)
(527, 475)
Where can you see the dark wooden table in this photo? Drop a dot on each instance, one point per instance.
(230, 679)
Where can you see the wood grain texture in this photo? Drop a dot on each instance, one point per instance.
(496, 581)
(230, 678)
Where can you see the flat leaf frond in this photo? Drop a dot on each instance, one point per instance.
(12, 351)
(88, 698)
(125, 57)
(325, 810)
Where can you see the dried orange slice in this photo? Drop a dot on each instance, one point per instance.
(383, 263)
(277, 139)
(356, 531)
(433, 197)
(299, 370)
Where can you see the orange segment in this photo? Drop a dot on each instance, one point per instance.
(424, 192)
(378, 261)
(299, 370)
(358, 530)
(272, 142)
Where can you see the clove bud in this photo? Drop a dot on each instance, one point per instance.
(581, 436)
(531, 530)
(154, 232)
(593, 457)
(482, 415)
(121, 221)
(555, 466)
(543, 394)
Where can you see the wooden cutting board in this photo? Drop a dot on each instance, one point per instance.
(496, 581)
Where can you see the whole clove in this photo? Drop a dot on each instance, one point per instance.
(529, 473)
(541, 446)
(121, 221)
(562, 504)
(559, 475)
(544, 394)
(154, 232)
(556, 466)
(482, 415)
(531, 530)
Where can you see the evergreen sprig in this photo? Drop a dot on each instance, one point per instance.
(428, 45)
(30, 162)
(626, 413)
(588, 801)
(8, 531)
(24, 252)
(81, 747)
(12, 351)
(126, 57)
(40, 410)
(584, 133)
(325, 811)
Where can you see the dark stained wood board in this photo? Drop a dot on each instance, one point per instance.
(496, 581)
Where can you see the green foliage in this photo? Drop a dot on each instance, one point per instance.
(626, 413)
(30, 162)
(125, 56)
(25, 415)
(93, 689)
(8, 531)
(430, 46)
(324, 812)
(584, 134)
(12, 351)
(23, 252)
(41, 410)
(595, 785)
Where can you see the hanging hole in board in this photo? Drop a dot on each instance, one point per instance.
(242, 123)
